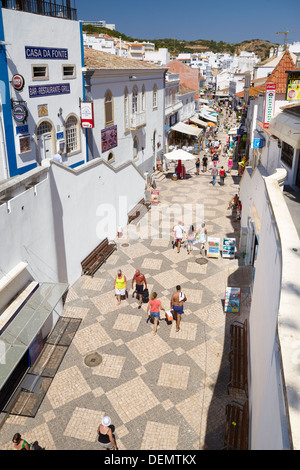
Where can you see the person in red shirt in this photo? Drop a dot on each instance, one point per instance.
(140, 280)
(222, 175)
(153, 309)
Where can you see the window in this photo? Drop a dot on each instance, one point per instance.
(134, 100)
(69, 71)
(126, 109)
(287, 154)
(108, 107)
(44, 128)
(39, 72)
(143, 98)
(154, 101)
(72, 134)
(135, 148)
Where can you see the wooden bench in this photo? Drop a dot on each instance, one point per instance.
(97, 257)
(236, 427)
(136, 210)
(238, 356)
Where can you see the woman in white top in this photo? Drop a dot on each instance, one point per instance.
(202, 238)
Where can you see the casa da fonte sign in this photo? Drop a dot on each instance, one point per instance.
(32, 52)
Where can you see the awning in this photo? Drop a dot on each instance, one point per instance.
(195, 120)
(186, 129)
(20, 333)
(208, 116)
(207, 109)
(287, 128)
(202, 100)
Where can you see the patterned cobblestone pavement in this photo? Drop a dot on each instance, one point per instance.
(162, 392)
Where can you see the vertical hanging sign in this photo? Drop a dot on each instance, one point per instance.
(87, 114)
(269, 103)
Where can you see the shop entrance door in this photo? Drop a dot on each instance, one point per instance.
(44, 138)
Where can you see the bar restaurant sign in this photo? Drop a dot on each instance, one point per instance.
(293, 86)
(269, 103)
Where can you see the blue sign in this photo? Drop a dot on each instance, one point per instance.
(59, 135)
(49, 90)
(46, 53)
(258, 143)
(22, 129)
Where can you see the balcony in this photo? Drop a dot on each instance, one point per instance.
(137, 120)
(40, 7)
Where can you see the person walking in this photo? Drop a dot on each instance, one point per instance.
(191, 237)
(197, 166)
(153, 310)
(19, 443)
(222, 175)
(178, 235)
(139, 280)
(214, 173)
(105, 435)
(176, 304)
(230, 164)
(120, 286)
(204, 162)
(203, 238)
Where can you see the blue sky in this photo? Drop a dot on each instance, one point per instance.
(231, 21)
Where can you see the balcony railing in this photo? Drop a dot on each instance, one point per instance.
(137, 120)
(40, 7)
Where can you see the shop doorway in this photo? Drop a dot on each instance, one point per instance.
(44, 140)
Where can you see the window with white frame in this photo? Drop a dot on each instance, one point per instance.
(69, 71)
(71, 127)
(143, 98)
(40, 72)
(134, 100)
(108, 108)
(154, 98)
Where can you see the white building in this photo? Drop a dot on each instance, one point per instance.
(42, 79)
(100, 42)
(129, 101)
(160, 57)
(99, 24)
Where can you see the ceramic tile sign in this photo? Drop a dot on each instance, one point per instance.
(228, 248)
(232, 300)
(213, 245)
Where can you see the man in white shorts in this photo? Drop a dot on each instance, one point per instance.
(178, 235)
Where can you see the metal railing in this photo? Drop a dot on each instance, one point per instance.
(40, 7)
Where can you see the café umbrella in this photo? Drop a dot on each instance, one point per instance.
(211, 124)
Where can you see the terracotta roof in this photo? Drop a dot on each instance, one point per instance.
(279, 76)
(253, 91)
(94, 59)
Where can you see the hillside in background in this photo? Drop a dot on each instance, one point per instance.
(259, 47)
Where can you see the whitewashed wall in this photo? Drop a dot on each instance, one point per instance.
(26, 29)
(268, 416)
(116, 81)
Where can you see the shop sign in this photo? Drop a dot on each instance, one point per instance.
(269, 103)
(87, 114)
(258, 143)
(32, 52)
(19, 113)
(49, 90)
(18, 82)
(293, 86)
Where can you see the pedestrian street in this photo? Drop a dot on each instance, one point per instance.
(163, 392)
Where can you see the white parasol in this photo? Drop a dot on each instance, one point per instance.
(179, 155)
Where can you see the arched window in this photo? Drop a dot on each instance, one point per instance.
(134, 100)
(126, 109)
(72, 141)
(143, 98)
(108, 109)
(135, 148)
(154, 98)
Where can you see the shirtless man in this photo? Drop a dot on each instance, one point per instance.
(177, 300)
(140, 280)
